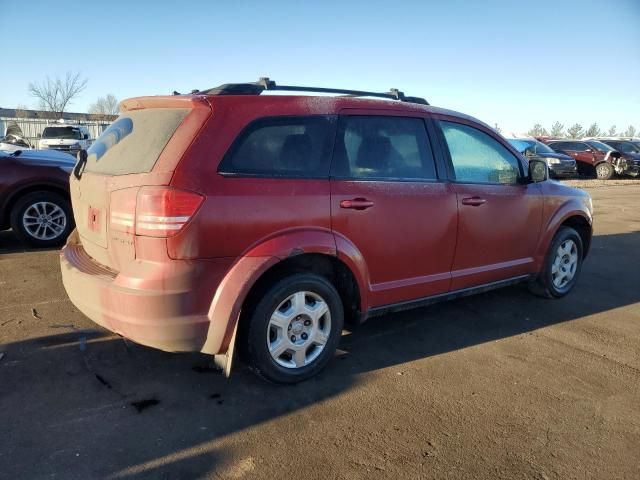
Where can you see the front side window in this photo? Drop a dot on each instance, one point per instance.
(282, 147)
(478, 157)
(383, 147)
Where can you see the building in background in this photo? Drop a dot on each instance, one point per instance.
(33, 122)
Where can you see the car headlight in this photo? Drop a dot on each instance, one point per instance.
(553, 161)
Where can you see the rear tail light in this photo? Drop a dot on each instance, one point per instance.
(152, 211)
(163, 211)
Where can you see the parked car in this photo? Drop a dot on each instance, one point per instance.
(34, 196)
(595, 158)
(65, 138)
(629, 149)
(265, 221)
(14, 140)
(560, 165)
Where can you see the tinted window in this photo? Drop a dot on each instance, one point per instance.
(282, 146)
(383, 147)
(572, 146)
(478, 157)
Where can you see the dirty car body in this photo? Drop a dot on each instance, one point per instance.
(180, 234)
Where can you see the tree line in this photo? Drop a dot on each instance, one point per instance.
(577, 131)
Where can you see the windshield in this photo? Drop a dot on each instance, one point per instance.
(534, 145)
(626, 147)
(601, 147)
(71, 133)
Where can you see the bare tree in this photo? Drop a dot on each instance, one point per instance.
(612, 131)
(105, 106)
(557, 130)
(592, 131)
(538, 131)
(575, 131)
(630, 132)
(56, 94)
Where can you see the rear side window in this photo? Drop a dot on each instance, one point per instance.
(478, 157)
(134, 142)
(282, 147)
(383, 147)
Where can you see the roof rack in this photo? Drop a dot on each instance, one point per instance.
(256, 88)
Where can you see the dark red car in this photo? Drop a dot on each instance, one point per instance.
(34, 196)
(595, 158)
(228, 217)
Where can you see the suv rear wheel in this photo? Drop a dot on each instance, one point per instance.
(294, 329)
(42, 219)
(562, 265)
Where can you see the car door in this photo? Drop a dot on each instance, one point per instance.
(388, 203)
(499, 215)
(580, 151)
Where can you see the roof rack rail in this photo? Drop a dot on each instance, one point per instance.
(256, 88)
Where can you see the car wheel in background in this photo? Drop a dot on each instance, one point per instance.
(604, 171)
(562, 265)
(42, 219)
(294, 329)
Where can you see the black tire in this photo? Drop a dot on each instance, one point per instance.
(256, 332)
(544, 285)
(26, 203)
(604, 171)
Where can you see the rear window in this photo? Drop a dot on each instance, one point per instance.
(134, 142)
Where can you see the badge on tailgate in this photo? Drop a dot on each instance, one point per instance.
(94, 219)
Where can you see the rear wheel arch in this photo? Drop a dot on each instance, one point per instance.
(328, 266)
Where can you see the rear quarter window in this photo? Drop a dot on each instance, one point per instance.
(133, 143)
(282, 147)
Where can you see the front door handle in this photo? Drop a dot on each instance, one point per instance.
(356, 204)
(474, 201)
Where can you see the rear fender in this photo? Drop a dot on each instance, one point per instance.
(232, 291)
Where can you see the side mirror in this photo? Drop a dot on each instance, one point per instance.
(538, 171)
(85, 136)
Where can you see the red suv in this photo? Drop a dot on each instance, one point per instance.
(228, 217)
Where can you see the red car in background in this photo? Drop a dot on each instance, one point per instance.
(229, 217)
(34, 196)
(595, 158)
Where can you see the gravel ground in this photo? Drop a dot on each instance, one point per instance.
(500, 385)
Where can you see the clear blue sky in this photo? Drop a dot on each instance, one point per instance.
(514, 63)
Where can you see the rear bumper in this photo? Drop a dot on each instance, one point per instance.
(163, 319)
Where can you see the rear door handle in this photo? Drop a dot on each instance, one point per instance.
(356, 204)
(474, 201)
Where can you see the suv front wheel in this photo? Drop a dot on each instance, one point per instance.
(562, 265)
(294, 329)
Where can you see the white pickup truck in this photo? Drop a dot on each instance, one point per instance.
(65, 138)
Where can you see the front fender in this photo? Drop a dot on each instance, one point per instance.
(560, 213)
(233, 289)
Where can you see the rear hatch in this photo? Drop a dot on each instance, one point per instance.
(135, 156)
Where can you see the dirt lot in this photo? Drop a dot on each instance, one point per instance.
(501, 385)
